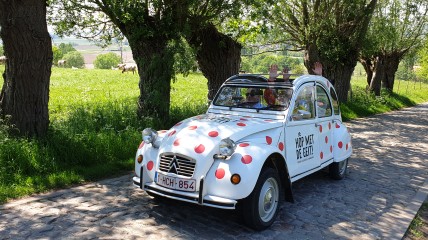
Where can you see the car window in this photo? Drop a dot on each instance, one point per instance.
(335, 102)
(304, 104)
(323, 103)
(254, 97)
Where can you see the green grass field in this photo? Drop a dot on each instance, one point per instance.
(94, 131)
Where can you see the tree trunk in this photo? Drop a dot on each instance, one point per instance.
(338, 74)
(28, 48)
(384, 67)
(218, 55)
(391, 66)
(341, 78)
(378, 75)
(155, 66)
(368, 67)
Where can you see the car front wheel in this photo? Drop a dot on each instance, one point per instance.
(338, 169)
(260, 208)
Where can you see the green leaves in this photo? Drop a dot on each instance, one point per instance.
(396, 26)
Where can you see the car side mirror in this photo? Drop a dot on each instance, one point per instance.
(301, 114)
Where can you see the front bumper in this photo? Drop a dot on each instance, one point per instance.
(192, 197)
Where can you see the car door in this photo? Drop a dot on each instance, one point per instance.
(301, 132)
(324, 115)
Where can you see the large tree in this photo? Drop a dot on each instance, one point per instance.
(398, 27)
(329, 31)
(149, 26)
(218, 42)
(153, 29)
(218, 55)
(28, 48)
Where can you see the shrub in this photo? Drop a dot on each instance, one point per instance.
(298, 69)
(66, 48)
(261, 63)
(57, 54)
(74, 59)
(106, 61)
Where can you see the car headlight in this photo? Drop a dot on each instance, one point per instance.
(227, 147)
(150, 136)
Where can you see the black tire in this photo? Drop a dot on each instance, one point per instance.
(337, 170)
(260, 208)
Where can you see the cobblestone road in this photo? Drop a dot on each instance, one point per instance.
(385, 185)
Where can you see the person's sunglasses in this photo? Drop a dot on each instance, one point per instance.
(252, 94)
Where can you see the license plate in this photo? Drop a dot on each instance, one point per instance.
(188, 185)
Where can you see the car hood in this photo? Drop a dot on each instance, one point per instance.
(199, 136)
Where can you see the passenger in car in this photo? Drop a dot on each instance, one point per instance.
(253, 96)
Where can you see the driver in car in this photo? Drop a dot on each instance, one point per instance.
(253, 98)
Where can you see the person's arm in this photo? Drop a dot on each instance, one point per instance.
(317, 68)
(273, 72)
(285, 73)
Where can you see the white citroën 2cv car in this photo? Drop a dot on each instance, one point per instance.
(256, 138)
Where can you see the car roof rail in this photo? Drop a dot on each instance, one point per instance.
(259, 78)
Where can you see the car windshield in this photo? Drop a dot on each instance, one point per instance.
(260, 97)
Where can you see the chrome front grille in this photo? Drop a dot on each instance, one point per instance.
(178, 164)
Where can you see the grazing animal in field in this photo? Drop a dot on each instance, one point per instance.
(121, 66)
(129, 69)
(3, 60)
(61, 63)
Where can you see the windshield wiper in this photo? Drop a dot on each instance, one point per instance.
(276, 107)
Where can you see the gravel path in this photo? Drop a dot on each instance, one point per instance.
(385, 186)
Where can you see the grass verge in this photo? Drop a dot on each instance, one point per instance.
(418, 228)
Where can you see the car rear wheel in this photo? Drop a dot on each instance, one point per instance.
(338, 169)
(260, 208)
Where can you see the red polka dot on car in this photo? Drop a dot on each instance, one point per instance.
(246, 159)
(331, 148)
(162, 131)
(219, 173)
(141, 145)
(268, 120)
(171, 133)
(178, 124)
(241, 124)
(176, 142)
(326, 139)
(192, 127)
(243, 119)
(347, 146)
(213, 134)
(320, 127)
(337, 125)
(329, 125)
(281, 146)
(150, 165)
(200, 148)
(340, 144)
(268, 140)
(321, 155)
(244, 144)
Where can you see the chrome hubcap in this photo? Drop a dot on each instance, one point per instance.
(268, 200)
